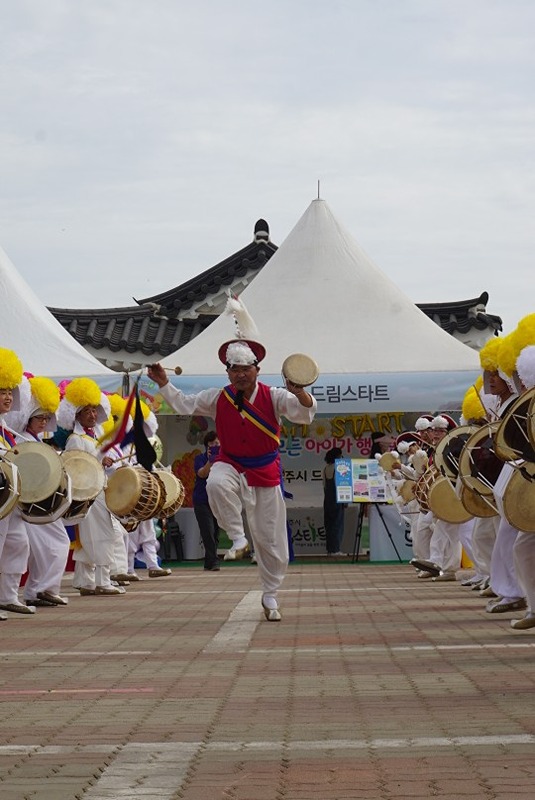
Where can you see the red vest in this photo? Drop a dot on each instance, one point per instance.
(241, 437)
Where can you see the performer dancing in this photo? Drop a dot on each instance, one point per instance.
(247, 471)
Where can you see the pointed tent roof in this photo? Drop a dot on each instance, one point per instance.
(320, 294)
(28, 328)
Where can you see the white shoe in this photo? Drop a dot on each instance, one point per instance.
(237, 553)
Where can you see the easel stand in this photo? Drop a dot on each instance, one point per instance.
(358, 532)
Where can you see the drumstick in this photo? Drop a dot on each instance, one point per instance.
(176, 370)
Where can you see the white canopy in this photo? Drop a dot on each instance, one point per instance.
(28, 328)
(321, 295)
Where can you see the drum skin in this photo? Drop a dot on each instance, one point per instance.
(300, 369)
(444, 503)
(513, 439)
(86, 474)
(479, 466)
(40, 470)
(133, 492)
(519, 502)
(478, 505)
(448, 450)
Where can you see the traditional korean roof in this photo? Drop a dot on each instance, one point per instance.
(160, 324)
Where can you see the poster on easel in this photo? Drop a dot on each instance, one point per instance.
(360, 480)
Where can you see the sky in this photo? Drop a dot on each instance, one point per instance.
(140, 141)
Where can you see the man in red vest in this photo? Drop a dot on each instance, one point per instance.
(247, 472)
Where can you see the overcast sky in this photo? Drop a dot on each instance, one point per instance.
(140, 141)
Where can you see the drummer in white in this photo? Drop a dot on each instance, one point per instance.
(14, 547)
(49, 542)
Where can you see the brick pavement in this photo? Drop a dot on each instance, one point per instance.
(375, 686)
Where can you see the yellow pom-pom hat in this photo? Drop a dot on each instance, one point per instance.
(79, 393)
(472, 407)
(10, 374)
(489, 357)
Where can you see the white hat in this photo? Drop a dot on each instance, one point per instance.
(422, 424)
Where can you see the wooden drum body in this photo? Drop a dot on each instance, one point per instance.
(133, 493)
(174, 492)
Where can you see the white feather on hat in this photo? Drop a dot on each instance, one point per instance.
(245, 325)
(422, 424)
(525, 366)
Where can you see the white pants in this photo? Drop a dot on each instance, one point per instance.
(524, 561)
(229, 494)
(422, 531)
(446, 549)
(96, 555)
(143, 538)
(483, 538)
(49, 550)
(119, 565)
(14, 552)
(503, 577)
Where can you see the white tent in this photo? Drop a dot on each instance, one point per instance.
(320, 294)
(28, 328)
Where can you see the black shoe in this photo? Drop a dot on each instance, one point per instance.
(212, 568)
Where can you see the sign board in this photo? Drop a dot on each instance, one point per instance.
(359, 480)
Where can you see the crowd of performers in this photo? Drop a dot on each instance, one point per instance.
(36, 423)
(471, 486)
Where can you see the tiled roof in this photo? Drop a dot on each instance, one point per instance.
(163, 323)
(462, 316)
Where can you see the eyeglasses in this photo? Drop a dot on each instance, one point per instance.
(43, 417)
(240, 368)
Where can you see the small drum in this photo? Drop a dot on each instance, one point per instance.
(512, 439)
(407, 490)
(134, 493)
(45, 488)
(423, 484)
(87, 481)
(443, 501)
(389, 461)
(479, 466)
(300, 369)
(448, 450)
(174, 492)
(9, 487)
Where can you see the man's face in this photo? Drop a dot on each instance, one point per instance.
(6, 400)
(243, 377)
(87, 416)
(437, 434)
(497, 385)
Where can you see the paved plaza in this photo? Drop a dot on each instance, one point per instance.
(375, 686)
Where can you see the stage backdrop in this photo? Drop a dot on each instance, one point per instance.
(350, 408)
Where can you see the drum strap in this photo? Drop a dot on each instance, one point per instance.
(251, 413)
